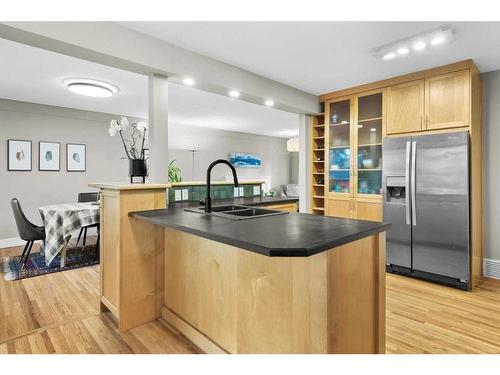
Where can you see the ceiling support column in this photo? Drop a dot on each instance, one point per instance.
(304, 163)
(158, 128)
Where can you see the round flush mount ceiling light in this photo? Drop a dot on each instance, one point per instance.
(269, 103)
(90, 87)
(234, 94)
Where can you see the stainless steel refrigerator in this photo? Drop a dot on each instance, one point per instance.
(426, 198)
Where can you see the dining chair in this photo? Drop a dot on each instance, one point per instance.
(28, 231)
(84, 198)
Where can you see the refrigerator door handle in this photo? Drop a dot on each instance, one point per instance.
(413, 189)
(407, 183)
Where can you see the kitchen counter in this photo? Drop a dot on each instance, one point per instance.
(286, 235)
(289, 283)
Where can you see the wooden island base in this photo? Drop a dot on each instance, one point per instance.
(229, 300)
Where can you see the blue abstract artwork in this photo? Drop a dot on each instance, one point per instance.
(245, 160)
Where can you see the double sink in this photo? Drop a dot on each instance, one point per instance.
(237, 212)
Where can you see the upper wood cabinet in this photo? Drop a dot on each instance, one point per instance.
(447, 100)
(405, 107)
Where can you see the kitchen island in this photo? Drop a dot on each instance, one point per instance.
(287, 283)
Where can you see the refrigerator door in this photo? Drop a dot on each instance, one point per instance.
(396, 153)
(440, 216)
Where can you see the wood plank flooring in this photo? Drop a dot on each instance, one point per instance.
(58, 313)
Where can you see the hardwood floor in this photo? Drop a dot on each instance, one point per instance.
(59, 313)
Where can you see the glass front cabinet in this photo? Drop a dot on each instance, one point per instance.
(354, 133)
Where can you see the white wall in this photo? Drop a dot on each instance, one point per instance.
(212, 144)
(491, 172)
(36, 122)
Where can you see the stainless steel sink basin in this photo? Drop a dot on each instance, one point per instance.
(236, 212)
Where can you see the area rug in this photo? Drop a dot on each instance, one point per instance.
(76, 257)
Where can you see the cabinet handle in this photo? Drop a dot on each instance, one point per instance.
(426, 120)
(421, 120)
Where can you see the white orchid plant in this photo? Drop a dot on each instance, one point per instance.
(132, 136)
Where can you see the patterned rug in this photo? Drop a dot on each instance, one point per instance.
(76, 257)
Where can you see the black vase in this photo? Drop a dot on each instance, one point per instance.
(137, 168)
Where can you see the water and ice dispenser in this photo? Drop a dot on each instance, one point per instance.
(396, 189)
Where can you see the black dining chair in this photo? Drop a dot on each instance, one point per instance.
(85, 198)
(28, 231)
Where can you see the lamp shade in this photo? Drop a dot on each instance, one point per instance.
(292, 145)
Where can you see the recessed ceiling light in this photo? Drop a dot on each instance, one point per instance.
(234, 94)
(389, 56)
(269, 103)
(90, 87)
(437, 40)
(360, 126)
(188, 81)
(418, 46)
(403, 51)
(373, 129)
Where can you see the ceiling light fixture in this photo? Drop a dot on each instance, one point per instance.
(373, 129)
(269, 103)
(188, 81)
(234, 94)
(90, 87)
(418, 43)
(403, 51)
(389, 56)
(419, 46)
(437, 40)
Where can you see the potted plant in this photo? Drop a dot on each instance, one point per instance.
(132, 137)
(174, 172)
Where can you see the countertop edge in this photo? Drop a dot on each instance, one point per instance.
(127, 186)
(270, 252)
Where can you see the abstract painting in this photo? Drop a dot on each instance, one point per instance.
(19, 155)
(49, 156)
(75, 158)
(241, 160)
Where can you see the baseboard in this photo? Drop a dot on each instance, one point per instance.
(11, 242)
(491, 268)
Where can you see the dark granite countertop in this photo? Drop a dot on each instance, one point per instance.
(287, 235)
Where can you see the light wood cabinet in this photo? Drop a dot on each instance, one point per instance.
(405, 107)
(354, 208)
(368, 210)
(340, 208)
(447, 100)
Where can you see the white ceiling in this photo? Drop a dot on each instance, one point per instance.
(320, 57)
(35, 75)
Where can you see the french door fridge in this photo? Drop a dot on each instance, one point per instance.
(426, 199)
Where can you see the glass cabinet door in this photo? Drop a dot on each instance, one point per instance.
(339, 147)
(369, 136)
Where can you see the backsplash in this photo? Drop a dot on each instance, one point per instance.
(196, 192)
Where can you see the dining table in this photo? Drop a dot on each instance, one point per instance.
(60, 222)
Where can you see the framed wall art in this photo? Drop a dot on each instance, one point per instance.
(49, 156)
(18, 155)
(75, 157)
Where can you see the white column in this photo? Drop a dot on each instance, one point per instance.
(304, 155)
(158, 129)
